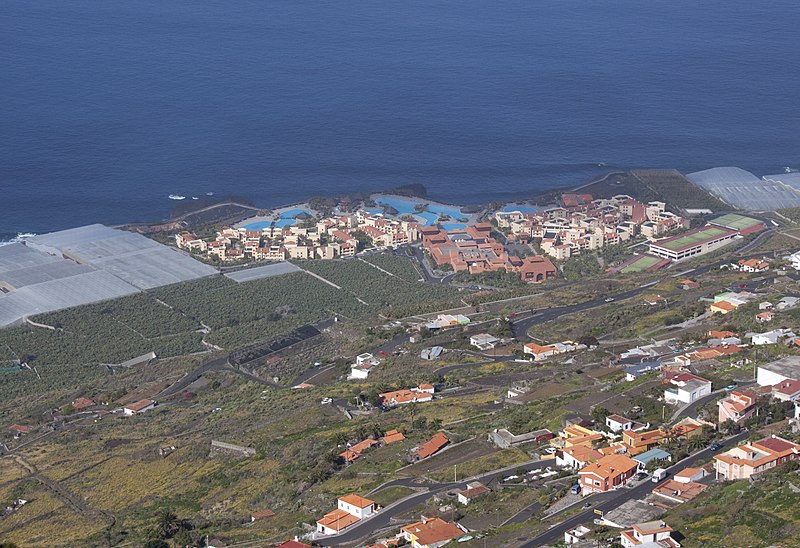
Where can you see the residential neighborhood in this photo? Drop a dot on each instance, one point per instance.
(591, 372)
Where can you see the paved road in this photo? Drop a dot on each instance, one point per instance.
(610, 501)
(691, 409)
(182, 383)
(383, 519)
(521, 326)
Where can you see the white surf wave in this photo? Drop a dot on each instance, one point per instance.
(20, 237)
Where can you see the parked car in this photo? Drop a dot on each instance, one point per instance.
(576, 489)
(716, 446)
(610, 300)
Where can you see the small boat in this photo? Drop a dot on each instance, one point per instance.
(176, 197)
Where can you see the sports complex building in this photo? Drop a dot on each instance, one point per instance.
(85, 265)
(712, 236)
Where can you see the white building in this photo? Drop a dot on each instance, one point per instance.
(653, 533)
(778, 371)
(772, 337)
(364, 364)
(688, 388)
(574, 536)
(483, 341)
(690, 475)
(139, 407)
(618, 423)
(357, 506)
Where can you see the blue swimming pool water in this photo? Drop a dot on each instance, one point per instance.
(522, 208)
(287, 218)
(405, 206)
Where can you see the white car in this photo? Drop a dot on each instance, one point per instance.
(610, 300)
(326, 401)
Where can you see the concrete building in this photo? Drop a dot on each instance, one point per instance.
(688, 388)
(504, 439)
(778, 371)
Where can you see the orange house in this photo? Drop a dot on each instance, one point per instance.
(639, 442)
(608, 473)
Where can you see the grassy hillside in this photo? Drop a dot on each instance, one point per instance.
(764, 513)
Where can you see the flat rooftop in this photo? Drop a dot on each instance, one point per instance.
(693, 238)
(788, 367)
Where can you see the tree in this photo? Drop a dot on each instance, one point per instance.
(364, 240)
(504, 328)
(696, 443)
(599, 415)
(166, 524)
(341, 438)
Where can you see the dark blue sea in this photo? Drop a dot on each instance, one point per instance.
(108, 107)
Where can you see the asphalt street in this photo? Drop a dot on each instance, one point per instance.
(609, 501)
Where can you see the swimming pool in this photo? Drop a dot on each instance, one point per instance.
(522, 208)
(405, 206)
(286, 218)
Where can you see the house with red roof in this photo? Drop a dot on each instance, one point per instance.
(747, 459)
(737, 407)
(139, 407)
(350, 509)
(607, 473)
(787, 390)
(431, 447)
(430, 533)
(688, 388)
(82, 403)
(18, 430)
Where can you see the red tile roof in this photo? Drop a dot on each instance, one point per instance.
(430, 447)
(261, 514)
(357, 501)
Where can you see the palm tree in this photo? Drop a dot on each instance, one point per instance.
(696, 443)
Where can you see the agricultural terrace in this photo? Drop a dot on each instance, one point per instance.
(108, 332)
(239, 314)
(693, 238)
(389, 295)
(401, 267)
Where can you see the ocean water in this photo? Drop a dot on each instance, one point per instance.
(107, 108)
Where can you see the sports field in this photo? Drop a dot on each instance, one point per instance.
(693, 238)
(735, 221)
(641, 264)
